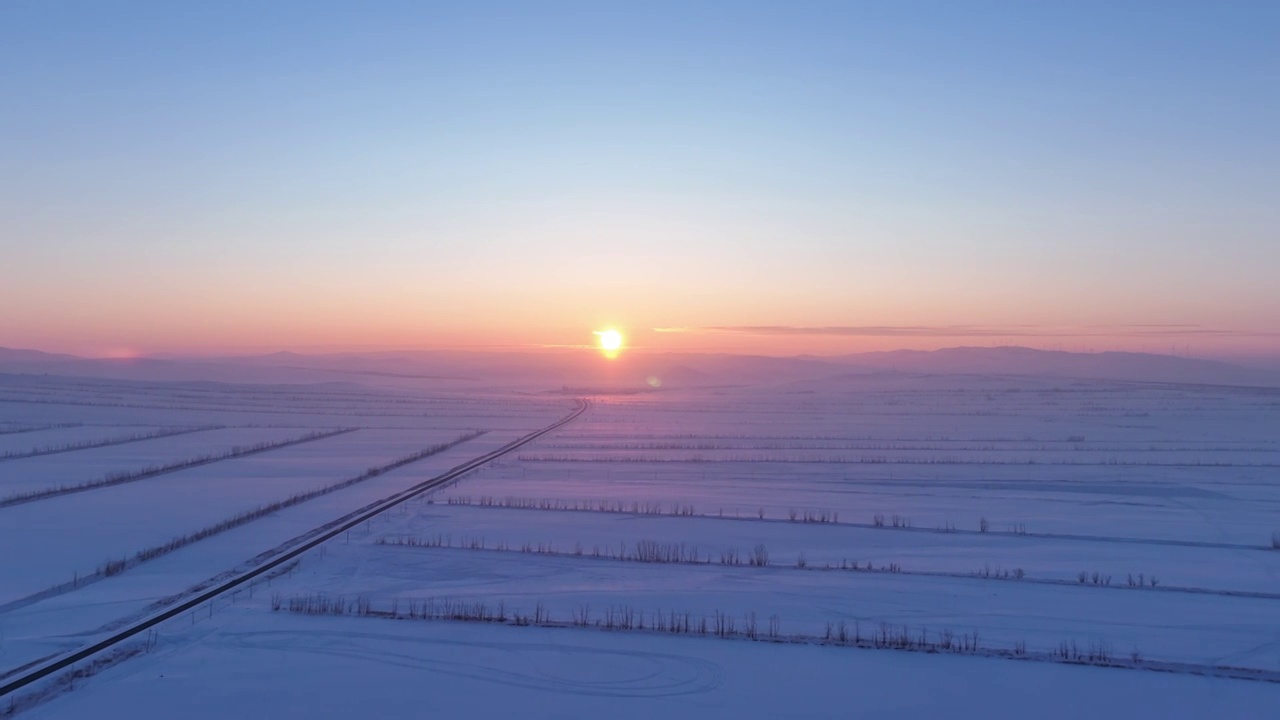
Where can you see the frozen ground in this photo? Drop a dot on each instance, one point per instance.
(1003, 491)
(53, 544)
(289, 666)
(89, 464)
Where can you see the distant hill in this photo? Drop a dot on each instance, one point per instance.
(1027, 361)
(10, 355)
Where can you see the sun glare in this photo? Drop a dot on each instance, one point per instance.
(611, 339)
(610, 342)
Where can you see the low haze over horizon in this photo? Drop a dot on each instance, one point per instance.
(747, 177)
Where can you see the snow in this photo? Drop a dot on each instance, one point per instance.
(35, 630)
(1175, 482)
(91, 464)
(915, 551)
(1001, 612)
(51, 436)
(288, 666)
(117, 521)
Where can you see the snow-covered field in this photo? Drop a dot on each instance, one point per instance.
(1131, 523)
(263, 665)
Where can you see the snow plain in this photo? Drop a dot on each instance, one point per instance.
(263, 666)
(1004, 491)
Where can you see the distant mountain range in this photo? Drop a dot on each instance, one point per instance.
(551, 369)
(1027, 361)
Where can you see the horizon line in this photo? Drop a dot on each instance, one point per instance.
(497, 349)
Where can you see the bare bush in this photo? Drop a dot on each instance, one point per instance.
(720, 624)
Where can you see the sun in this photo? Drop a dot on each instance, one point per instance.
(610, 339)
(610, 342)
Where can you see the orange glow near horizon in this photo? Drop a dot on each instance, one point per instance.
(166, 328)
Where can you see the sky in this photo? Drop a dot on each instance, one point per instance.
(770, 177)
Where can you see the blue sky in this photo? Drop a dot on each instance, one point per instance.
(401, 174)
